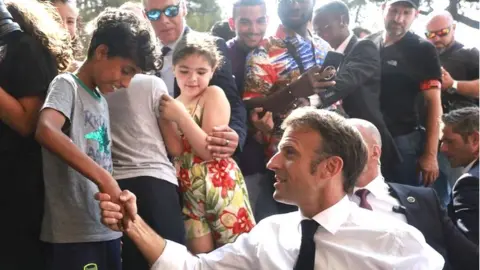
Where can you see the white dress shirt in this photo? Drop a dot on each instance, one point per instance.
(343, 46)
(469, 166)
(167, 70)
(380, 199)
(348, 238)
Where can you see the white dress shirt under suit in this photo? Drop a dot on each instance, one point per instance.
(349, 237)
(380, 199)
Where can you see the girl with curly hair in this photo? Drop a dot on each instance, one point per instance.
(68, 11)
(29, 61)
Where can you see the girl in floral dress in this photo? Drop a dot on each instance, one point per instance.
(216, 205)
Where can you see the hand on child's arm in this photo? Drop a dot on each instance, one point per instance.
(171, 109)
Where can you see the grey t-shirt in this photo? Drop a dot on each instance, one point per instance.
(138, 147)
(72, 215)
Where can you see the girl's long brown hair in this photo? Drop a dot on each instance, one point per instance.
(41, 21)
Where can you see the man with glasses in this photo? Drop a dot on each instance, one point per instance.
(460, 86)
(168, 20)
(410, 68)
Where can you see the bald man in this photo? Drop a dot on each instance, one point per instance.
(460, 83)
(417, 206)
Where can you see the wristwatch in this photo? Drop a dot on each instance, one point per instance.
(453, 89)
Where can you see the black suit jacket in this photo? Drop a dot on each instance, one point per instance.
(463, 209)
(422, 209)
(358, 85)
(223, 78)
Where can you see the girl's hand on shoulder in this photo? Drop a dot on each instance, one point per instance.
(171, 109)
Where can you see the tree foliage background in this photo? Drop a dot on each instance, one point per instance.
(202, 14)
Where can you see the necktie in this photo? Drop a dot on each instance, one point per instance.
(306, 256)
(362, 194)
(165, 50)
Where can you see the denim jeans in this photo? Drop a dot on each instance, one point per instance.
(411, 147)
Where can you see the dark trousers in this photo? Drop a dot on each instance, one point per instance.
(22, 212)
(411, 148)
(103, 255)
(158, 204)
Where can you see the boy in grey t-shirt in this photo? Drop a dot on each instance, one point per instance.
(74, 130)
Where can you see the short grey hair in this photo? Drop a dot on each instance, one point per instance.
(339, 139)
(463, 121)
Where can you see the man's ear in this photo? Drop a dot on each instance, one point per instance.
(231, 23)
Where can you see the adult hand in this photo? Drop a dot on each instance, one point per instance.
(447, 80)
(428, 166)
(171, 109)
(311, 82)
(264, 123)
(222, 142)
(115, 216)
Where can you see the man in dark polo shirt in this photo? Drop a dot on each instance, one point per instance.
(460, 87)
(410, 67)
(249, 21)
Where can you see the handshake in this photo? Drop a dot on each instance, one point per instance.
(118, 217)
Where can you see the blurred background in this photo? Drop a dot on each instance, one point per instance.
(365, 13)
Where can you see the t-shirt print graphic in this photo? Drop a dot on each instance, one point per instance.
(98, 141)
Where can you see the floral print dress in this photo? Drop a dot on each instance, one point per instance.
(215, 197)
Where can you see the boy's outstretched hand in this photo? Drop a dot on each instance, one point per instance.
(115, 216)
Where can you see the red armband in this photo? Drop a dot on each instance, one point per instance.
(429, 84)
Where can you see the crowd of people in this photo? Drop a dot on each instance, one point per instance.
(158, 147)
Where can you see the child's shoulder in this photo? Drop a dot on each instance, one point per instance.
(147, 82)
(65, 77)
(214, 91)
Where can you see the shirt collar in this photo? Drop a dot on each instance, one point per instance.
(377, 187)
(343, 46)
(283, 33)
(469, 166)
(335, 216)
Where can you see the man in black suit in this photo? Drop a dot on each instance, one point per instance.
(418, 206)
(168, 20)
(460, 144)
(358, 79)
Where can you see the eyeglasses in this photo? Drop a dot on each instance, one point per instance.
(170, 12)
(440, 33)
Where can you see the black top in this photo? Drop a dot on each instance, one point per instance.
(26, 69)
(408, 67)
(462, 64)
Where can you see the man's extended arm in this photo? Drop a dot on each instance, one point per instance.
(358, 67)
(223, 78)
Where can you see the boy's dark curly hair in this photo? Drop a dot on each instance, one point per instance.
(126, 36)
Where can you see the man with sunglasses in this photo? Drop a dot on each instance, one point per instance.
(410, 68)
(460, 64)
(168, 20)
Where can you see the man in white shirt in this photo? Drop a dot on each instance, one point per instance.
(320, 157)
(167, 18)
(417, 206)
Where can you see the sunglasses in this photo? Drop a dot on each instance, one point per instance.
(440, 33)
(170, 12)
